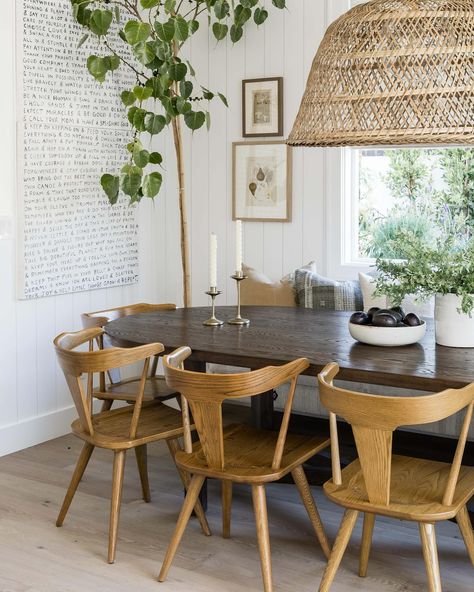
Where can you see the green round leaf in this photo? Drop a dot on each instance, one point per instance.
(194, 119)
(111, 62)
(221, 9)
(241, 15)
(149, 3)
(156, 158)
(144, 52)
(279, 3)
(131, 114)
(193, 26)
(155, 85)
(185, 88)
(128, 98)
(260, 16)
(135, 32)
(170, 6)
(97, 67)
(154, 123)
(220, 30)
(131, 179)
(183, 106)
(142, 93)
(165, 31)
(111, 186)
(152, 184)
(139, 120)
(177, 71)
(141, 158)
(181, 28)
(100, 21)
(236, 33)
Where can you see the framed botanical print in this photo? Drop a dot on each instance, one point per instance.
(262, 181)
(262, 107)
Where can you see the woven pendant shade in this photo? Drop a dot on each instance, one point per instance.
(392, 72)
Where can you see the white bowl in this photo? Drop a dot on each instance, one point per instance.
(387, 336)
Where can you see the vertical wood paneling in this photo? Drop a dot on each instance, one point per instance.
(284, 46)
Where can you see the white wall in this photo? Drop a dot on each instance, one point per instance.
(34, 402)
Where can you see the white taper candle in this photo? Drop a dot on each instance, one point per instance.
(213, 260)
(238, 246)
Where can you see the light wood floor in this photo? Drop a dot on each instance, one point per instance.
(35, 556)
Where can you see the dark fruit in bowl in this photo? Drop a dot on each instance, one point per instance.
(384, 319)
(373, 310)
(389, 311)
(412, 320)
(360, 318)
(399, 310)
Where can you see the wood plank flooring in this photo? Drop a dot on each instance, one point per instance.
(35, 556)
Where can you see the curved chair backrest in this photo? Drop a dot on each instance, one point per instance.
(206, 393)
(75, 364)
(374, 418)
(102, 317)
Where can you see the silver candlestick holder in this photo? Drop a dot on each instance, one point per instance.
(238, 320)
(213, 292)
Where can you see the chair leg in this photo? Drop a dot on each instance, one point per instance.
(464, 523)
(81, 465)
(345, 530)
(173, 446)
(226, 508)
(299, 478)
(261, 519)
(189, 503)
(366, 543)
(117, 481)
(142, 463)
(430, 555)
(106, 405)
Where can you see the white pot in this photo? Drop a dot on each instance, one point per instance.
(453, 329)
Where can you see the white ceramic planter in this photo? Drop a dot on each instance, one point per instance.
(453, 329)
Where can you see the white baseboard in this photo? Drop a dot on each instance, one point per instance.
(36, 430)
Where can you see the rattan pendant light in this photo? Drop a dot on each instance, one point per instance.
(392, 72)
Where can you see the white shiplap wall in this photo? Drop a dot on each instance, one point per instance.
(34, 403)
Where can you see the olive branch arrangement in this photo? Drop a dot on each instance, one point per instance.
(166, 91)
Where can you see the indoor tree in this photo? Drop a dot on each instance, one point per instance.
(147, 36)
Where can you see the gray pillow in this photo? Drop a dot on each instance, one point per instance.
(319, 292)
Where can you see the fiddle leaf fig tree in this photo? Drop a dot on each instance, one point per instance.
(147, 37)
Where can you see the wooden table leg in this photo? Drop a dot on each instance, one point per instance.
(262, 410)
(197, 366)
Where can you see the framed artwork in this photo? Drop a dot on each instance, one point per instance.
(261, 181)
(262, 107)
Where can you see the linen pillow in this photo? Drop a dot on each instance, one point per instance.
(409, 304)
(259, 290)
(319, 292)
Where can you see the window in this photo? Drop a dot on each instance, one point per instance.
(421, 190)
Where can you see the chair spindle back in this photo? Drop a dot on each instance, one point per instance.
(374, 418)
(206, 393)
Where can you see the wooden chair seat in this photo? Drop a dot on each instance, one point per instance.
(125, 428)
(249, 455)
(126, 390)
(112, 428)
(413, 487)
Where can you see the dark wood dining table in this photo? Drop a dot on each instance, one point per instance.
(277, 335)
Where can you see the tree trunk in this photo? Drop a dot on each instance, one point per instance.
(183, 217)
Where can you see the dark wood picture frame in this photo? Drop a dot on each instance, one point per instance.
(279, 131)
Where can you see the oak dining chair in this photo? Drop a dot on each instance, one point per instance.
(239, 453)
(111, 385)
(132, 426)
(400, 487)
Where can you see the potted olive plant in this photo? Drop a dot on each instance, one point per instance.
(443, 268)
